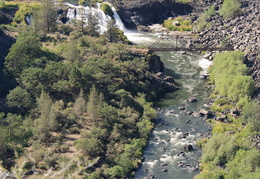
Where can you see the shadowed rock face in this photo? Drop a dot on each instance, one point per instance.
(142, 12)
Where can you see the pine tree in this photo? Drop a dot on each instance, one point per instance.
(92, 25)
(47, 120)
(80, 104)
(95, 103)
(45, 18)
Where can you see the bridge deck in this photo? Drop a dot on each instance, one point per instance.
(192, 49)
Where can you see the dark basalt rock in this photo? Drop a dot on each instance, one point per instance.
(182, 108)
(192, 100)
(151, 177)
(164, 164)
(188, 147)
(146, 13)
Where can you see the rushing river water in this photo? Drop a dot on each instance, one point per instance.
(164, 156)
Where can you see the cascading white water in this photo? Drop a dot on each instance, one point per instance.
(82, 13)
(28, 19)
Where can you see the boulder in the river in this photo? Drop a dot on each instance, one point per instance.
(143, 159)
(189, 112)
(182, 108)
(188, 121)
(204, 76)
(188, 147)
(165, 170)
(164, 164)
(185, 135)
(151, 177)
(192, 100)
(206, 113)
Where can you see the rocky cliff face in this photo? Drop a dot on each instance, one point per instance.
(243, 33)
(147, 12)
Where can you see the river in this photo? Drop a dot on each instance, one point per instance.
(164, 156)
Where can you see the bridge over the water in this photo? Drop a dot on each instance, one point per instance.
(191, 43)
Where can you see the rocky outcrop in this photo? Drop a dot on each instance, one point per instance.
(164, 83)
(146, 12)
(155, 64)
(242, 32)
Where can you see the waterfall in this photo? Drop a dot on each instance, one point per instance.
(28, 19)
(118, 20)
(81, 12)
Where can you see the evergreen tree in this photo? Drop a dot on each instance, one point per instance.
(23, 53)
(47, 119)
(80, 104)
(95, 103)
(19, 98)
(92, 25)
(45, 18)
(111, 33)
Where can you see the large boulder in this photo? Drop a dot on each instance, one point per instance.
(188, 147)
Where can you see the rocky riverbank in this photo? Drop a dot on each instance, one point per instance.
(242, 32)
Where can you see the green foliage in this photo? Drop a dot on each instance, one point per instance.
(178, 24)
(25, 9)
(91, 147)
(99, 94)
(251, 115)
(203, 21)
(2, 6)
(92, 27)
(116, 172)
(113, 34)
(229, 74)
(95, 103)
(20, 99)
(209, 12)
(220, 149)
(245, 164)
(47, 117)
(23, 53)
(230, 9)
(106, 8)
(45, 17)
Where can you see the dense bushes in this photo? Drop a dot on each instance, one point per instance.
(230, 9)
(229, 75)
(178, 24)
(83, 86)
(230, 152)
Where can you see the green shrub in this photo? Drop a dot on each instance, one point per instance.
(2, 4)
(25, 9)
(106, 8)
(209, 12)
(229, 74)
(230, 9)
(202, 21)
(181, 24)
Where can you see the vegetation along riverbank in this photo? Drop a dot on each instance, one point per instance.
(78, 104)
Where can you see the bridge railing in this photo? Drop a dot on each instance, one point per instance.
(191, 42)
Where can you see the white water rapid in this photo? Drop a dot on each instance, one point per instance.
(164, 156)
(82, 12)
